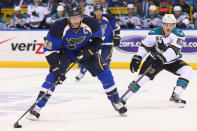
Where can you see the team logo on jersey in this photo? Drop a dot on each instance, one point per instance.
(180, 42)
(74, 41)
(159, 39)
(104, 28)
(34, 13)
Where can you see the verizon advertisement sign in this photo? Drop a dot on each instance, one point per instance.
(22, 45)
(27, 46)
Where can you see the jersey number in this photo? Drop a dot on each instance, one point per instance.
(47, 45)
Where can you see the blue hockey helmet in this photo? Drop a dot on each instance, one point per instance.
(73, 9)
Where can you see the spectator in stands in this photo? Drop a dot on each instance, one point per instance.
(118, 3)
(64, 3)
(131, 20)
(105, 5)
(153, 19)
(182, 20)
(142, 8)
(135, 2)
(82, 3)
(195, 19)
(3, 23)
(37, 12)
(58, 15)
(154, 2)
(2, 5)
(52, 6)
(19, 20)
(89, 8)
(21, 3)
(185, 6)
(8, 3)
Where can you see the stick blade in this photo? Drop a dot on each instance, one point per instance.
(16, 125)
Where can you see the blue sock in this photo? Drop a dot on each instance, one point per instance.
(50, 80)
(108, 83)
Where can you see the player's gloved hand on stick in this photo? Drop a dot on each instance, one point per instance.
(59, 75)
(135, 63)
(84, 54)
(158, 61)
(116, 40)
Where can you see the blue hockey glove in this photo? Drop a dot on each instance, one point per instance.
(135, 63)
(116, 40)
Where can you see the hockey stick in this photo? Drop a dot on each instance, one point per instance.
(147, 70)
(16, 124)
(107, 44)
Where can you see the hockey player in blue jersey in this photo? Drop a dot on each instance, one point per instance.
(111, 36)
(163, 47)
(70, 39)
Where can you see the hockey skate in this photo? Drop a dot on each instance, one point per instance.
(177, 101)
(123, 102)
(34, 113)
(79, 76)
(118, 106)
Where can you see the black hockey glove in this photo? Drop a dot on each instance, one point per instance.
(53, 60)
(85, 54)
(158, 61)
(116, 40)
(135, 63)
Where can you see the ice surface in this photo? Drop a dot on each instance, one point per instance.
(84, 106)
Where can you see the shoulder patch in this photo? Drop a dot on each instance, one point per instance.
(178, 32)
(180, 41)
(156, 31)
(57, 28)
(92, 23)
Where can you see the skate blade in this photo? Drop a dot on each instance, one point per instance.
(31, 117)
(176, 105)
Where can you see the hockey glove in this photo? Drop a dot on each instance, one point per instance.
(116, 40)
(53, 60)
(84, 54)
(135, 63)
(59, 75)
(158, 61)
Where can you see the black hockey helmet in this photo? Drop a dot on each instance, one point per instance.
(73, 9)
(98, 6)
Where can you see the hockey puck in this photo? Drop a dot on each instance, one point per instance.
(16, 125)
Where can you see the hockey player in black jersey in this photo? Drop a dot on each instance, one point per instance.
(70, 39)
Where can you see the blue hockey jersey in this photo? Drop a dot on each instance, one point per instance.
(62, 36)
(108, 25)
